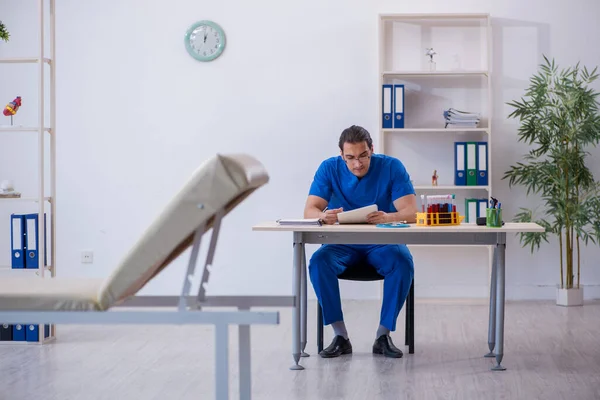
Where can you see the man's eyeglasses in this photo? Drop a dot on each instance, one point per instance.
(361, 159)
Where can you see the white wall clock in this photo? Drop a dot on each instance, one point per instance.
(205, 40)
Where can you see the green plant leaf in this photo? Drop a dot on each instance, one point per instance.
(4, 35)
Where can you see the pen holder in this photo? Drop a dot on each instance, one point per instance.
(493, 217)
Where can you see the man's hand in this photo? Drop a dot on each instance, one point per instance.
(378, 217)
(330, 216)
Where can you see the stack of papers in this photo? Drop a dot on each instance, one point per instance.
(356, 216)
(9, 194)
(461, 119)
(300, 221)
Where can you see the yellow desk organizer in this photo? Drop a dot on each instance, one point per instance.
(439, 211)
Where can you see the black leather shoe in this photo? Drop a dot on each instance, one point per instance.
(338, 346)
(384, 345)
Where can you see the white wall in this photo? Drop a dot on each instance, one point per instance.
(136, 114)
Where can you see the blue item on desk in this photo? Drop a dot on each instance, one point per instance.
(392, 225)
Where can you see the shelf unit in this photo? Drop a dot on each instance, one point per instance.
(46, 133)
(462, 79)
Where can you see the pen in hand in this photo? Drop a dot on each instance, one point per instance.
(330, 216)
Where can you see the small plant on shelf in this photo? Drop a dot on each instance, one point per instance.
(4, 35)
(559, 118)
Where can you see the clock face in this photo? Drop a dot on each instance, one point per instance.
(205, 40)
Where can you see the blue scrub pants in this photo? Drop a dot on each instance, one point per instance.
(394, 262)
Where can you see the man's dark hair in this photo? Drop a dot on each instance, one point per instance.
(355, 134)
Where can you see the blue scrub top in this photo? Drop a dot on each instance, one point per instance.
(386, 181)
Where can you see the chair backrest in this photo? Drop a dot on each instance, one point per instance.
(220, 183)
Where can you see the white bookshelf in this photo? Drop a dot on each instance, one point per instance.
(22, 129)
(433, 73)
(461, 79)
(45, 131)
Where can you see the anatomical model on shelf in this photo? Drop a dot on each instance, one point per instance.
(12, 108)
(434, 178)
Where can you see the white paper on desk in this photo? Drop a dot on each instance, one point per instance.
(358, 216)
(299, 221)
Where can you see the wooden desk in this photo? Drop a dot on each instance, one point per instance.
(464, 234)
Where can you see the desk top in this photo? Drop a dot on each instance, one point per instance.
(509, 227)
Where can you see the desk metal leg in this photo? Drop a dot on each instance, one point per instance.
(492, 317)
(303, 304)
(222, 361)
(500, 266)
(245, 355)
(297, 279)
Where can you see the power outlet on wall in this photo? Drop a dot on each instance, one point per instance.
(87, 256)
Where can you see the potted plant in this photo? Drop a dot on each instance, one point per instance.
(4, 35)
(559, 119)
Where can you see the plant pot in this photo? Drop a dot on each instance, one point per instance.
(569, 297)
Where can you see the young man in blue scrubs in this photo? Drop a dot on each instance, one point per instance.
(355, 179)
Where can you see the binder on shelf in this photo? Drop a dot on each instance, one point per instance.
(460, 176)
(471, 208)
(6, 332)
(32, 259)
(32, 333)
(398, 102)
(18, 333)
(386, 105)
(471, 163)
(17, 243)
(482, 163)
(475, 208)
(483, 204)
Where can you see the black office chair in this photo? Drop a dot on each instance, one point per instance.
(365, 272)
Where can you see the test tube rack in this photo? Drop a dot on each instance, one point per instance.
(439, 210)
(439, 218)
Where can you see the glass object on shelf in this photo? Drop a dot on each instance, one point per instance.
(430, 52)
(7, 190)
